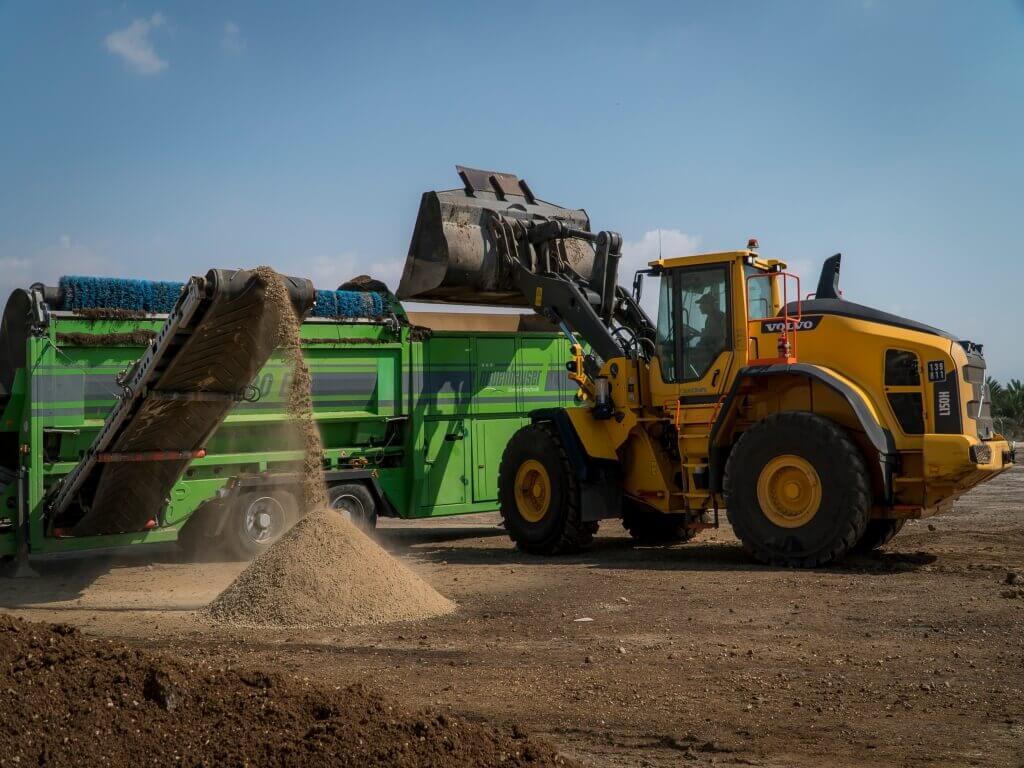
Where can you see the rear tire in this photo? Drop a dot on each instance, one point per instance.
(539, 494)
(355, 502)
(649, 526)
(257, 519)
(877, 534)
(797, 490)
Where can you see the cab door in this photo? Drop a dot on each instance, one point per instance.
(695, 330)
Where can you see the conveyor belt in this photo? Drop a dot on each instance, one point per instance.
(218, 335)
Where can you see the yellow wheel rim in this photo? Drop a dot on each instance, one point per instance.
(789, 491)
(533, 491)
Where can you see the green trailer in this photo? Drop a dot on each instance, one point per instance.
(414, 411)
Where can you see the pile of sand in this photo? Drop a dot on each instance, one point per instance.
(324, 572)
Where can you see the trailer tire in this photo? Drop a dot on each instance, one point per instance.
(354, 501)
(650, 526)
(798, 492)
(539, 494)
(257, 519)
(877, 534)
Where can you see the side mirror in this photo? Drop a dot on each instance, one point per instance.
(638, 285)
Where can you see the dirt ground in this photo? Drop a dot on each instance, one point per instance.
(628, 656)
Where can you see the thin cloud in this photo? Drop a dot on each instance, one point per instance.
(47, 263)
(135, 48)
(232, 41)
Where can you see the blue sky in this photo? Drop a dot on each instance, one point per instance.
(159, 139)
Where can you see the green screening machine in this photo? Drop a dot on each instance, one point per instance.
(133, 411)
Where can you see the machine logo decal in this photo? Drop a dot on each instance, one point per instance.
(808, 323)
(946, 404)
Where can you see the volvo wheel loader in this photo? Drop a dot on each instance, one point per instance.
(820, 425)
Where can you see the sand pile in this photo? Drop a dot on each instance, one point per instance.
(71, 701)
(324, 572)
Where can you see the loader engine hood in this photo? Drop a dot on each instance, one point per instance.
(452, 256)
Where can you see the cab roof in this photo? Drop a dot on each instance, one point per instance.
(718, 257)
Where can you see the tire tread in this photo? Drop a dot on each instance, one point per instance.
(857, 495)
(575, 533)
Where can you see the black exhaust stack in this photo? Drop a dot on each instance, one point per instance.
(828, 283)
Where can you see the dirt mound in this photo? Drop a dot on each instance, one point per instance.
(325, 572)
(70, 701)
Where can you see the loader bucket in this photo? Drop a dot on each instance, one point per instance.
(452, 257)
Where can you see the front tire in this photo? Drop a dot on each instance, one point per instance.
(539, 494)
(797, 490)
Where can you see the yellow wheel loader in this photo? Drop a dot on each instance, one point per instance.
(818, 424)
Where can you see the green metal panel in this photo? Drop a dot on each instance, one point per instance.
(497, 373)
(445, 458)
(490, 437)
(444, 384)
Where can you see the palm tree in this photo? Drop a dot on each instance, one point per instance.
(1007, 406)
(995, 391)
(1013, 400)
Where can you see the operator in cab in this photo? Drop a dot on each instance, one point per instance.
(712, 337)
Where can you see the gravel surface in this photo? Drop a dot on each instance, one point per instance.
(911, 657)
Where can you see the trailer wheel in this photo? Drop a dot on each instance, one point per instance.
(540, 494)
(355, 502)
(258, 519)
(877, 534)
(797, 490)
(650, 526)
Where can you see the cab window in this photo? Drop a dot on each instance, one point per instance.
(693, 321)
(704, 300)
(760, 303)
(666, 337)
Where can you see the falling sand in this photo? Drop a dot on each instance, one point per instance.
(324, 572)
(300, 395)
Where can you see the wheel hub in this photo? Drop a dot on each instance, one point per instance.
(349, 507)
(260, 517)
(789, 491)
(532, 490)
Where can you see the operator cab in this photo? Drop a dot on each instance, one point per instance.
(702, 300)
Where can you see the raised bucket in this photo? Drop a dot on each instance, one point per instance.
(452, 257)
